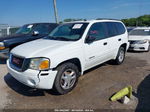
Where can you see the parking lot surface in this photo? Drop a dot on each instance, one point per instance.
(93, 91)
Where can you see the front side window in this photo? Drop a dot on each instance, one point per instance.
(140, 32)
(97, 31)
(68, 32)
(26, 29)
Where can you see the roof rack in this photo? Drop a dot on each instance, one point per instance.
(106, 19)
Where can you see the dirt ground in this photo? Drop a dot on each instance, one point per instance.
(92, 92)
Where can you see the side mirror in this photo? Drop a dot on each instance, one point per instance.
(90, 39)
(35, 33)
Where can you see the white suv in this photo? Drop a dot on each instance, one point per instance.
(58, 60)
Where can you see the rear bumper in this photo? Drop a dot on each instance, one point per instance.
(34, 78)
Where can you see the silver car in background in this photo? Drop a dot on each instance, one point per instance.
(139, 39)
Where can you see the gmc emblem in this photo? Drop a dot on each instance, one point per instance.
(15, 60)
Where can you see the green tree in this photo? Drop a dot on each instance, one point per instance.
(139, 21)
(69, 20)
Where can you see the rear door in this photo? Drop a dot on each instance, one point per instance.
(96, 51)
(114, 37)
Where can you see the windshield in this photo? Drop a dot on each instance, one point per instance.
(26, 29)
(68, 32)
(140, 32)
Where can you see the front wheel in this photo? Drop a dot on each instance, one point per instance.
(120, 56)
(67, 78)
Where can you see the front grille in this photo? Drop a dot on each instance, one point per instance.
(133, 41)
(17, 62)
(142, 47)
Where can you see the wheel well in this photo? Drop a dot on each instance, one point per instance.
(124, 46)
(75, 61)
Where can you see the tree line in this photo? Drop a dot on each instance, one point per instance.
(139, 21)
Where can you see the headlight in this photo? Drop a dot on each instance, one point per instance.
(2, 46)
(39, 64)
(141, 42)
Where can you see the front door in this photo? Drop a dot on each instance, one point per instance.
(97, 50)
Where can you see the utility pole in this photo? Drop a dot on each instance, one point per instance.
(55, 11)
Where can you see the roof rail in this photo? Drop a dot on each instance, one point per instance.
(106, 19)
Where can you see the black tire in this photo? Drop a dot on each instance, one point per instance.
(61, 72)
(119, 61)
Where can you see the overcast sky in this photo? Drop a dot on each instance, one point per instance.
(19, 12)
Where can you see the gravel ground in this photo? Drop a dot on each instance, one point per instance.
(92, 92)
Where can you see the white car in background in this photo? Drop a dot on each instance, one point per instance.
(139, 39)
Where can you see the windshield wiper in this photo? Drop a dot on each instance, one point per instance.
(60, 38)
(63, 38)
(51, 37)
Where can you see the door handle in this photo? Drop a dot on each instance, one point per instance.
(91, 57)
(105, 43)
(119, 39)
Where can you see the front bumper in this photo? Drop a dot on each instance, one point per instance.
(128, 44)
(4, 53)
(139, 47)
(34, 78)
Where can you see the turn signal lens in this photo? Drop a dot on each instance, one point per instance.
(44, 65)
(39, 64)
(1, 48)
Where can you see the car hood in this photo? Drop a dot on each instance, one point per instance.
(39, 48)
(12, 36)
(139, 37)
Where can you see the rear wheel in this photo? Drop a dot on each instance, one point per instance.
(120, 56)
(67, 78)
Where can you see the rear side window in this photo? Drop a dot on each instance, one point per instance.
(51, 27)
(42, 29)
(114, 28)
(111, 29)
(97, 30)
